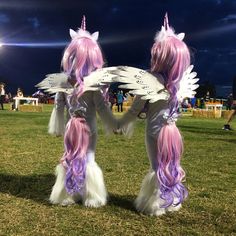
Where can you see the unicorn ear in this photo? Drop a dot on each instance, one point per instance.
(181, 36)
(72, 33)
(95, 35)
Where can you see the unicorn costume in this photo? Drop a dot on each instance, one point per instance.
(169, 81)
(162, 189)
(78, 175)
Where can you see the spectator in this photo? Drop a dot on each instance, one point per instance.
(10, 99)
(207, 97)
(185, 105)
(120, 99)
(16, 104)
(229, 101)
(202, 103)
(112, 99)
(19, 93)
(193, 102)
(233, 107)
(2, 95)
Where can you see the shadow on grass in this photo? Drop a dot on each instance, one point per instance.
(122, 201)
(205, 130)
(38, 189)
(34, 187)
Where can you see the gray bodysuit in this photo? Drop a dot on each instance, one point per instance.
(154, 122)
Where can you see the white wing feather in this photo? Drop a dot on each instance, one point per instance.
(99, 78)
(140, 82)
(57, 82)
(188, 84)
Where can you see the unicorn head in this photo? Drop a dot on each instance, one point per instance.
(170, 55)
(83, 54)
(83, 33)
(167, 31)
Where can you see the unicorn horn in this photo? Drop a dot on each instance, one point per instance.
(83, 23)
(166, 22)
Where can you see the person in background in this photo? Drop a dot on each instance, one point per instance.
(229, 102)
(19, 93)
(185, 105)
(2, 95)
(112, 99)
(193, 102)
(207, 97)
(233, 107)
(120, 99)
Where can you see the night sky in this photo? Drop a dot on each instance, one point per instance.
(35, 33)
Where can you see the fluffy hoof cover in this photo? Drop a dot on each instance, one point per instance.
(148, 201)
(95, 190)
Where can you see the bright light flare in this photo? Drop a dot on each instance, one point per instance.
(214, 32)
(38, 45)
(115, 39)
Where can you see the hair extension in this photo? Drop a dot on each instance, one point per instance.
(76, 142)
(171, 58)
(169, 172)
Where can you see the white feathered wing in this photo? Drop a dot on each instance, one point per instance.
(188, 84)
(141, 82)
(138, 81)
(150, 87)
(57, 82)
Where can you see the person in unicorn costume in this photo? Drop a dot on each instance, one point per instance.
(159, 92)
(78, 175)
(162, 189)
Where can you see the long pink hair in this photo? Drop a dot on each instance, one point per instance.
(170, 58)
(81, 57)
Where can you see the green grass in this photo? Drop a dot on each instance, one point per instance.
(29, 156)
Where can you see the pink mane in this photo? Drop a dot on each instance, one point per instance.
(170, 58)
(81, 57)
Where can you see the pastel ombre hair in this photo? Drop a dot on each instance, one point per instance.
(81, 57)
(76, 142)
(170, 57)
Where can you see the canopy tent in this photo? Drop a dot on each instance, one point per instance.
(38, 93)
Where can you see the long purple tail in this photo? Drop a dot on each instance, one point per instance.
(76, 142)
(169, 172)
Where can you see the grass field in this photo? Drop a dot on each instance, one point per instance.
(29, 155)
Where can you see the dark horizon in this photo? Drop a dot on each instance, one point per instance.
(35, 33)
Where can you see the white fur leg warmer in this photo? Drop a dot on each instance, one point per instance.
(148, 200)
(173, 207)
(59, 194)
(95, 194)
